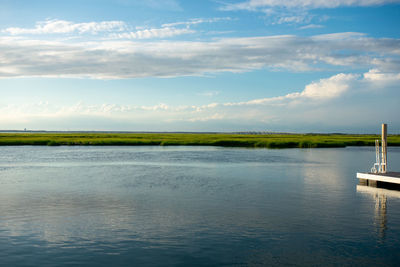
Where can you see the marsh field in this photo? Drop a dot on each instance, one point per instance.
(195, 139)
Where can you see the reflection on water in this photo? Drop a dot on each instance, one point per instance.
(380, 214)
(185, 206)
(380, 195)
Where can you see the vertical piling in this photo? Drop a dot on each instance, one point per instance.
(384, 148)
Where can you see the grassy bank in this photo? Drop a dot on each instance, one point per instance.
(165, 139)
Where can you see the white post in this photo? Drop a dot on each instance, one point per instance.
(384, 148)
(378, 158)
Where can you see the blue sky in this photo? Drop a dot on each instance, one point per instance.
(170, 65)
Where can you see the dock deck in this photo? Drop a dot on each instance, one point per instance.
(389, 177)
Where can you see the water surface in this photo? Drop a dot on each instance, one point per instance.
(194, 206)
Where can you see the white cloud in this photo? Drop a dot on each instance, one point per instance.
(24, 57)
(295, 19)
(331, 87)
(63, 26)
(113, 29)
(196, 21)
(377, 76)
(278, 15)
(311, 26)
(167, 29)
(257, 4)
(154, 33)
(322, 90)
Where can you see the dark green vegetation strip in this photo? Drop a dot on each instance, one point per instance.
(187, 139)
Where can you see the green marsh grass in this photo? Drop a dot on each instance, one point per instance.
(191, 139)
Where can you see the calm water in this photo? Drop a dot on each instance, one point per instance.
(190, 206)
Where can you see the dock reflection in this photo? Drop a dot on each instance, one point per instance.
(380, 195)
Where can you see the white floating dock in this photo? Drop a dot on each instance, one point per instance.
(389, 177)
(379, 173)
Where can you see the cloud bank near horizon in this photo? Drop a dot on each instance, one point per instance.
(327, 101)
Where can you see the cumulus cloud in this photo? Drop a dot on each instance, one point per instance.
(331, 87)
(24, 57)
(63, 26)
(343, 100)
(321, 90)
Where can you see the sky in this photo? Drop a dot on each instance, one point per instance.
(204, 65)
